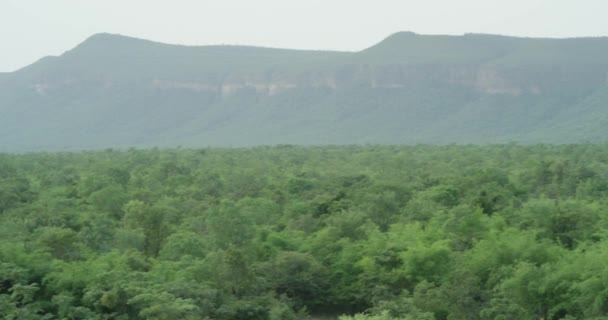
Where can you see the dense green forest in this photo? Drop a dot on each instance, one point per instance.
(360, 232)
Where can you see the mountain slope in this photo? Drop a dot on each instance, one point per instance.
(116, 91)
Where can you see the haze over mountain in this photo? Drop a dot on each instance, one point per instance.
(117, 91)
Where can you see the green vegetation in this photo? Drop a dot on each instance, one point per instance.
(368, 232)
(121, 92)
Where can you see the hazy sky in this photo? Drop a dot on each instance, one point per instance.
(30, 29)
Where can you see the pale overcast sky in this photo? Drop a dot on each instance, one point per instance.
(31, 29)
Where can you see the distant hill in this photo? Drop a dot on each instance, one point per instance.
(117, 91)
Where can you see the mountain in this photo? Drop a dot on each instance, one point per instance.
(117, 91)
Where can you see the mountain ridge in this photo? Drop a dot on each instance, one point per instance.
(119, 91)
(395, 38)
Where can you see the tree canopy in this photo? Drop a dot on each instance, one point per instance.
(361, 232)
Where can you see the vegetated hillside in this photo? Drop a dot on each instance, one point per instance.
(116, 91)
(418, 232)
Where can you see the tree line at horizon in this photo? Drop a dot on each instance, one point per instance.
(360, 232)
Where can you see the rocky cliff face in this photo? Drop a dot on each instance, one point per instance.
(483, 79)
